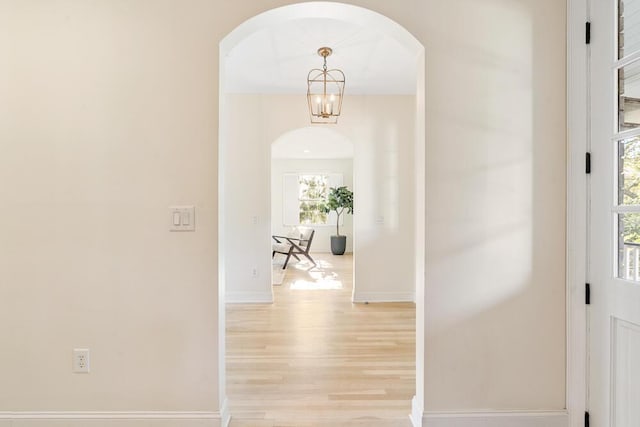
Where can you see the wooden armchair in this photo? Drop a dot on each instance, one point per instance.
(294, 246)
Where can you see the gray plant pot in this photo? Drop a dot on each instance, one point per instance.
(338, 245)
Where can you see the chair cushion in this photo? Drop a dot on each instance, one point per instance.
(281, 247)
(295, 233)
(305, 233)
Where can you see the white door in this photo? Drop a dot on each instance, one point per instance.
(614, 240)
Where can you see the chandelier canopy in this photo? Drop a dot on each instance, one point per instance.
(325, 89)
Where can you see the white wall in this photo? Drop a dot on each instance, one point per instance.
(109, 115)
(245, 202)
(495, 205)
(381, 129)
(322, 238)
(384, 175)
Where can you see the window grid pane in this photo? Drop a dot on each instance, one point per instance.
(628, 225)
(629, 96)
(627, 204)
(628, 27)
(313, 191)
(629, 171)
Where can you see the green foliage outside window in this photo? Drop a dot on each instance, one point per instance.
(312, 197)
(629, 188)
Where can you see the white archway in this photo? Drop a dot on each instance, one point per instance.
(363, 17)
(318, 150)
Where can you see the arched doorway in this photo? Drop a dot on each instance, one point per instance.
(254, 118)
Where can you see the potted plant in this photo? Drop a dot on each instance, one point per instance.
(339, 200)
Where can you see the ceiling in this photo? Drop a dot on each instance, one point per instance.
(278, 58)
(312, 143)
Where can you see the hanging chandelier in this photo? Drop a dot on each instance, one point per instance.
(324, 91)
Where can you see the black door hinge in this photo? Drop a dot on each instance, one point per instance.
(587, 167)
(586, 419)
(587, 32)
(587, 293)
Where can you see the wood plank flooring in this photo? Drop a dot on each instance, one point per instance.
(315, 359)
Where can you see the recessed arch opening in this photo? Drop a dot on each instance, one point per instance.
(263, 115)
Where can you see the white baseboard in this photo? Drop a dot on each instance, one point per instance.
(225, 414)
(249, 298)
(496, 419)
(361, 297)
(111, 418)
(416, 413)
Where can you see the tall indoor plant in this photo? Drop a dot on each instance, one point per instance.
(339, 200)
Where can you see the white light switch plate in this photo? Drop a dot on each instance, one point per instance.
(182, 218)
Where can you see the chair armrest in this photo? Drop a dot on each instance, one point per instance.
(281, 239)
(290, 240)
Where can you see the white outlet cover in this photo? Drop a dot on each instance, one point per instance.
(81, 360)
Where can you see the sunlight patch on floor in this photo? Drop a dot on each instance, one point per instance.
(320, 277)
(322, 284)
(306, 265)
(323, 275)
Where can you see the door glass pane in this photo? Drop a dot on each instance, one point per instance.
(629, 96)
(629, 171)
(628, 27)
(629, 246)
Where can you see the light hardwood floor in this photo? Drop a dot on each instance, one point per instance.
(315, 359)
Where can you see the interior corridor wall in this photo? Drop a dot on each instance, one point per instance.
(495, 205)
(382, 132)
(109, 115)
(246, 201)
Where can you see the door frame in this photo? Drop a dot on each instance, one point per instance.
(360, 15)
(577, 233)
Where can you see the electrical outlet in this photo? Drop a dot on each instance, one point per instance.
(81, 360)
(254, 272)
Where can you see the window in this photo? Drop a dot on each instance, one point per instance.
(304, 193)
(313, 191)
(626, 204)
